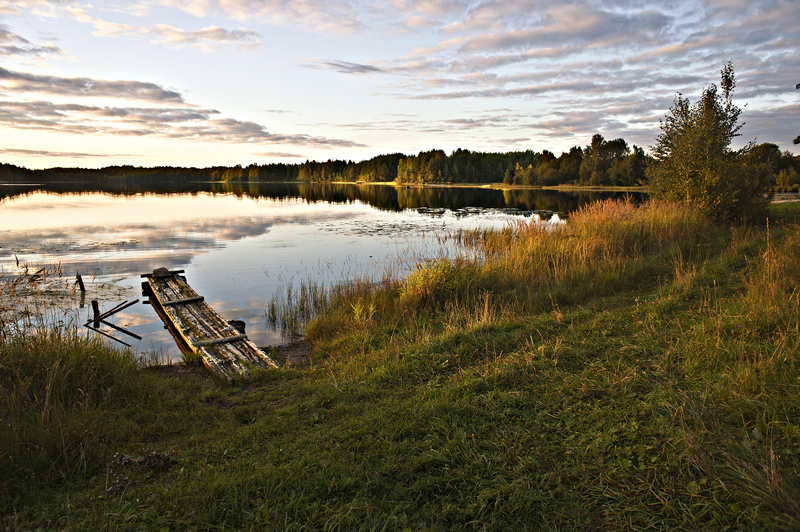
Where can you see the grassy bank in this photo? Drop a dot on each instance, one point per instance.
(637, 368)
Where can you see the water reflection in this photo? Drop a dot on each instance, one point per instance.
(239, 244)
(388, 198)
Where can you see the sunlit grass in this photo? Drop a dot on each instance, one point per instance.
(635, 369)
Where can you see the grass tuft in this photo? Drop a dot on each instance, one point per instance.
(57, 392)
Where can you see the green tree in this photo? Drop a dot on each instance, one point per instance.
(570, 165)
(547, 167)
(694, 160)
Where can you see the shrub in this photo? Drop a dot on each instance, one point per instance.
(695, 163)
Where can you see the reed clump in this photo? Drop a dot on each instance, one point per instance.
(59, 393)
(527, 267)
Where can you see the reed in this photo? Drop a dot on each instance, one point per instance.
(607, 247)
(56, 388)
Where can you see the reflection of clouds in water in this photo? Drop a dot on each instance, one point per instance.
(135, 248)
(258, 304)
(232, 256)
(135, 319)
(218, 305)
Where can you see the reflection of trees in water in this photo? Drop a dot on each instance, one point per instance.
(387, 198)
(391, 198)
(559, 201)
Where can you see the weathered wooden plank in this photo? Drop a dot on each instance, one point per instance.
(183, 301)
(120, 329)
(223, 350)
(223, 340)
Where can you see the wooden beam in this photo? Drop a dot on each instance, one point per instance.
(183, 301)
(122, 330)
(171, 272)
(119, 308)
(223, 340)
(108, 335)
(79, 280)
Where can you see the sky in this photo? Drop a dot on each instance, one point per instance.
(224, 82)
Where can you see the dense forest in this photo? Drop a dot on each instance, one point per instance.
(601, 163)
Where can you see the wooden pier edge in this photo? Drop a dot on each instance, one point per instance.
(199, 330)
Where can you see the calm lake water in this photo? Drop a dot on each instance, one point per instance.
(239, 245)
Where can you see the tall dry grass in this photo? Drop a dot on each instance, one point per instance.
(603, 248)
(58, 388)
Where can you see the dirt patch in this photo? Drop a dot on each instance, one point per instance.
(293, 354)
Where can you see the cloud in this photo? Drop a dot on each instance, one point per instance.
(171, 118)
(206, 39)
(174, 123)
(22, 82)
(281, 155)
(531, 90)
(777, 125)
(61, 154)
(13, 45)
(345, 67)
(476, 122)
(197, 8)
(332, 16)
(489, 46)
(511, 142)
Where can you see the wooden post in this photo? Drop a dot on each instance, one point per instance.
(79, 279)
(96, 312)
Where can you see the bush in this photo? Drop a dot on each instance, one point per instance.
(694, 161)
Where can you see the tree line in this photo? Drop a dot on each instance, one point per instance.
(600, 163)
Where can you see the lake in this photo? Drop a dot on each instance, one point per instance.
(239, 245)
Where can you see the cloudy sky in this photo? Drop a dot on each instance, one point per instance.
(225, 82)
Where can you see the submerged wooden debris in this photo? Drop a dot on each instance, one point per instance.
(99, 318)
(199, 330)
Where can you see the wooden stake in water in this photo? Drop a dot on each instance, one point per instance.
(96, 312)
(79, 280)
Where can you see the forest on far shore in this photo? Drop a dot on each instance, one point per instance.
(601, 163)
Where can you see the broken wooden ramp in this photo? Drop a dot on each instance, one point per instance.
(223, 349)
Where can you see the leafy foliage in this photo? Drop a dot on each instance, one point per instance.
(695, 162)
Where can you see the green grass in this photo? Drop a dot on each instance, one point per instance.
(636, 370)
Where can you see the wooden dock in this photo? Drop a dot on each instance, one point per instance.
(199, 330)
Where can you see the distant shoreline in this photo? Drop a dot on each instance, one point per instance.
(496, 186)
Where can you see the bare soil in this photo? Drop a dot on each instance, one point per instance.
(292, 354)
